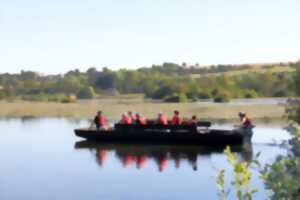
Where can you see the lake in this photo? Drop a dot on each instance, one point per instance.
(43, 159)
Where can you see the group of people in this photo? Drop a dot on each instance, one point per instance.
(130, 118)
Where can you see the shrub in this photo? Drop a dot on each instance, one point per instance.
(69, 99)
(222, 97)
(192, 96)
(280, 93)
(177, 98)
(204, 95)
(86, 93)
(249, 94)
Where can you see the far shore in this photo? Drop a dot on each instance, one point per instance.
(113, 108)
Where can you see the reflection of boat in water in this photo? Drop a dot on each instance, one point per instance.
(138, 155)
(168, 134)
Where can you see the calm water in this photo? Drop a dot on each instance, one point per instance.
(42, 159)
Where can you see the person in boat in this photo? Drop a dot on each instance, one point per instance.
(176, 119)
(131, 115)
(193, 121)
(125, 119)
(139, 119)
(162, 119)
(100, 121)
(245, 121)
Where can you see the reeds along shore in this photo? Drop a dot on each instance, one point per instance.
(113, 108)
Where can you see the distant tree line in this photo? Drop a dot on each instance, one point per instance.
(168, 81)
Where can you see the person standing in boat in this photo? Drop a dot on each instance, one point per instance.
(245, 127)
(162, 119)
(99, 121)
(245, 122)
(176, 119)
(139, 119)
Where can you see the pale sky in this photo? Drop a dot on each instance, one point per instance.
(56, 36)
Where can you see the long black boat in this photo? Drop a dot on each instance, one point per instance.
(199, 133)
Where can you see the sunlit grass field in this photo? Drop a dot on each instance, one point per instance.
(113, 108)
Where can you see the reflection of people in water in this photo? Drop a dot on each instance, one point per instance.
(247, 152)
(101, 156)
(138, 155)
(192, 157)
(162, 163)
(128, 160)
(177, 162)
(141, 161)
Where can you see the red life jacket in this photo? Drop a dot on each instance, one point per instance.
(246, 121)
(132, 117)
(126, 120)
(162, 120)
(101, 121)
(175, 120)
(141, 121)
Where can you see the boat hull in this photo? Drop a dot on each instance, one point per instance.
(206, 137)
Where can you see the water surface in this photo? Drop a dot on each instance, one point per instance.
(42, 159)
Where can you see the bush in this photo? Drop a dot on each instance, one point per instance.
(69, 99)
(86, 93)
(249, 94)
(222, 97)
(192, 96)
(194, 99)
(177, 98)
(280, 93)
(204, 95)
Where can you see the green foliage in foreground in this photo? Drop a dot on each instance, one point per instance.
(282, 177)
(241, 178)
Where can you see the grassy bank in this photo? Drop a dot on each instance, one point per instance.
(113, 108)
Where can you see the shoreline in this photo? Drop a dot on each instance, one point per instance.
(113, 109)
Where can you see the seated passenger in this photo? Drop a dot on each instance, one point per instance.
(176, 120)
(193, 121)
(162, 119)
(139, 119)
(125, 119)
(131, 116)
(99, 120)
